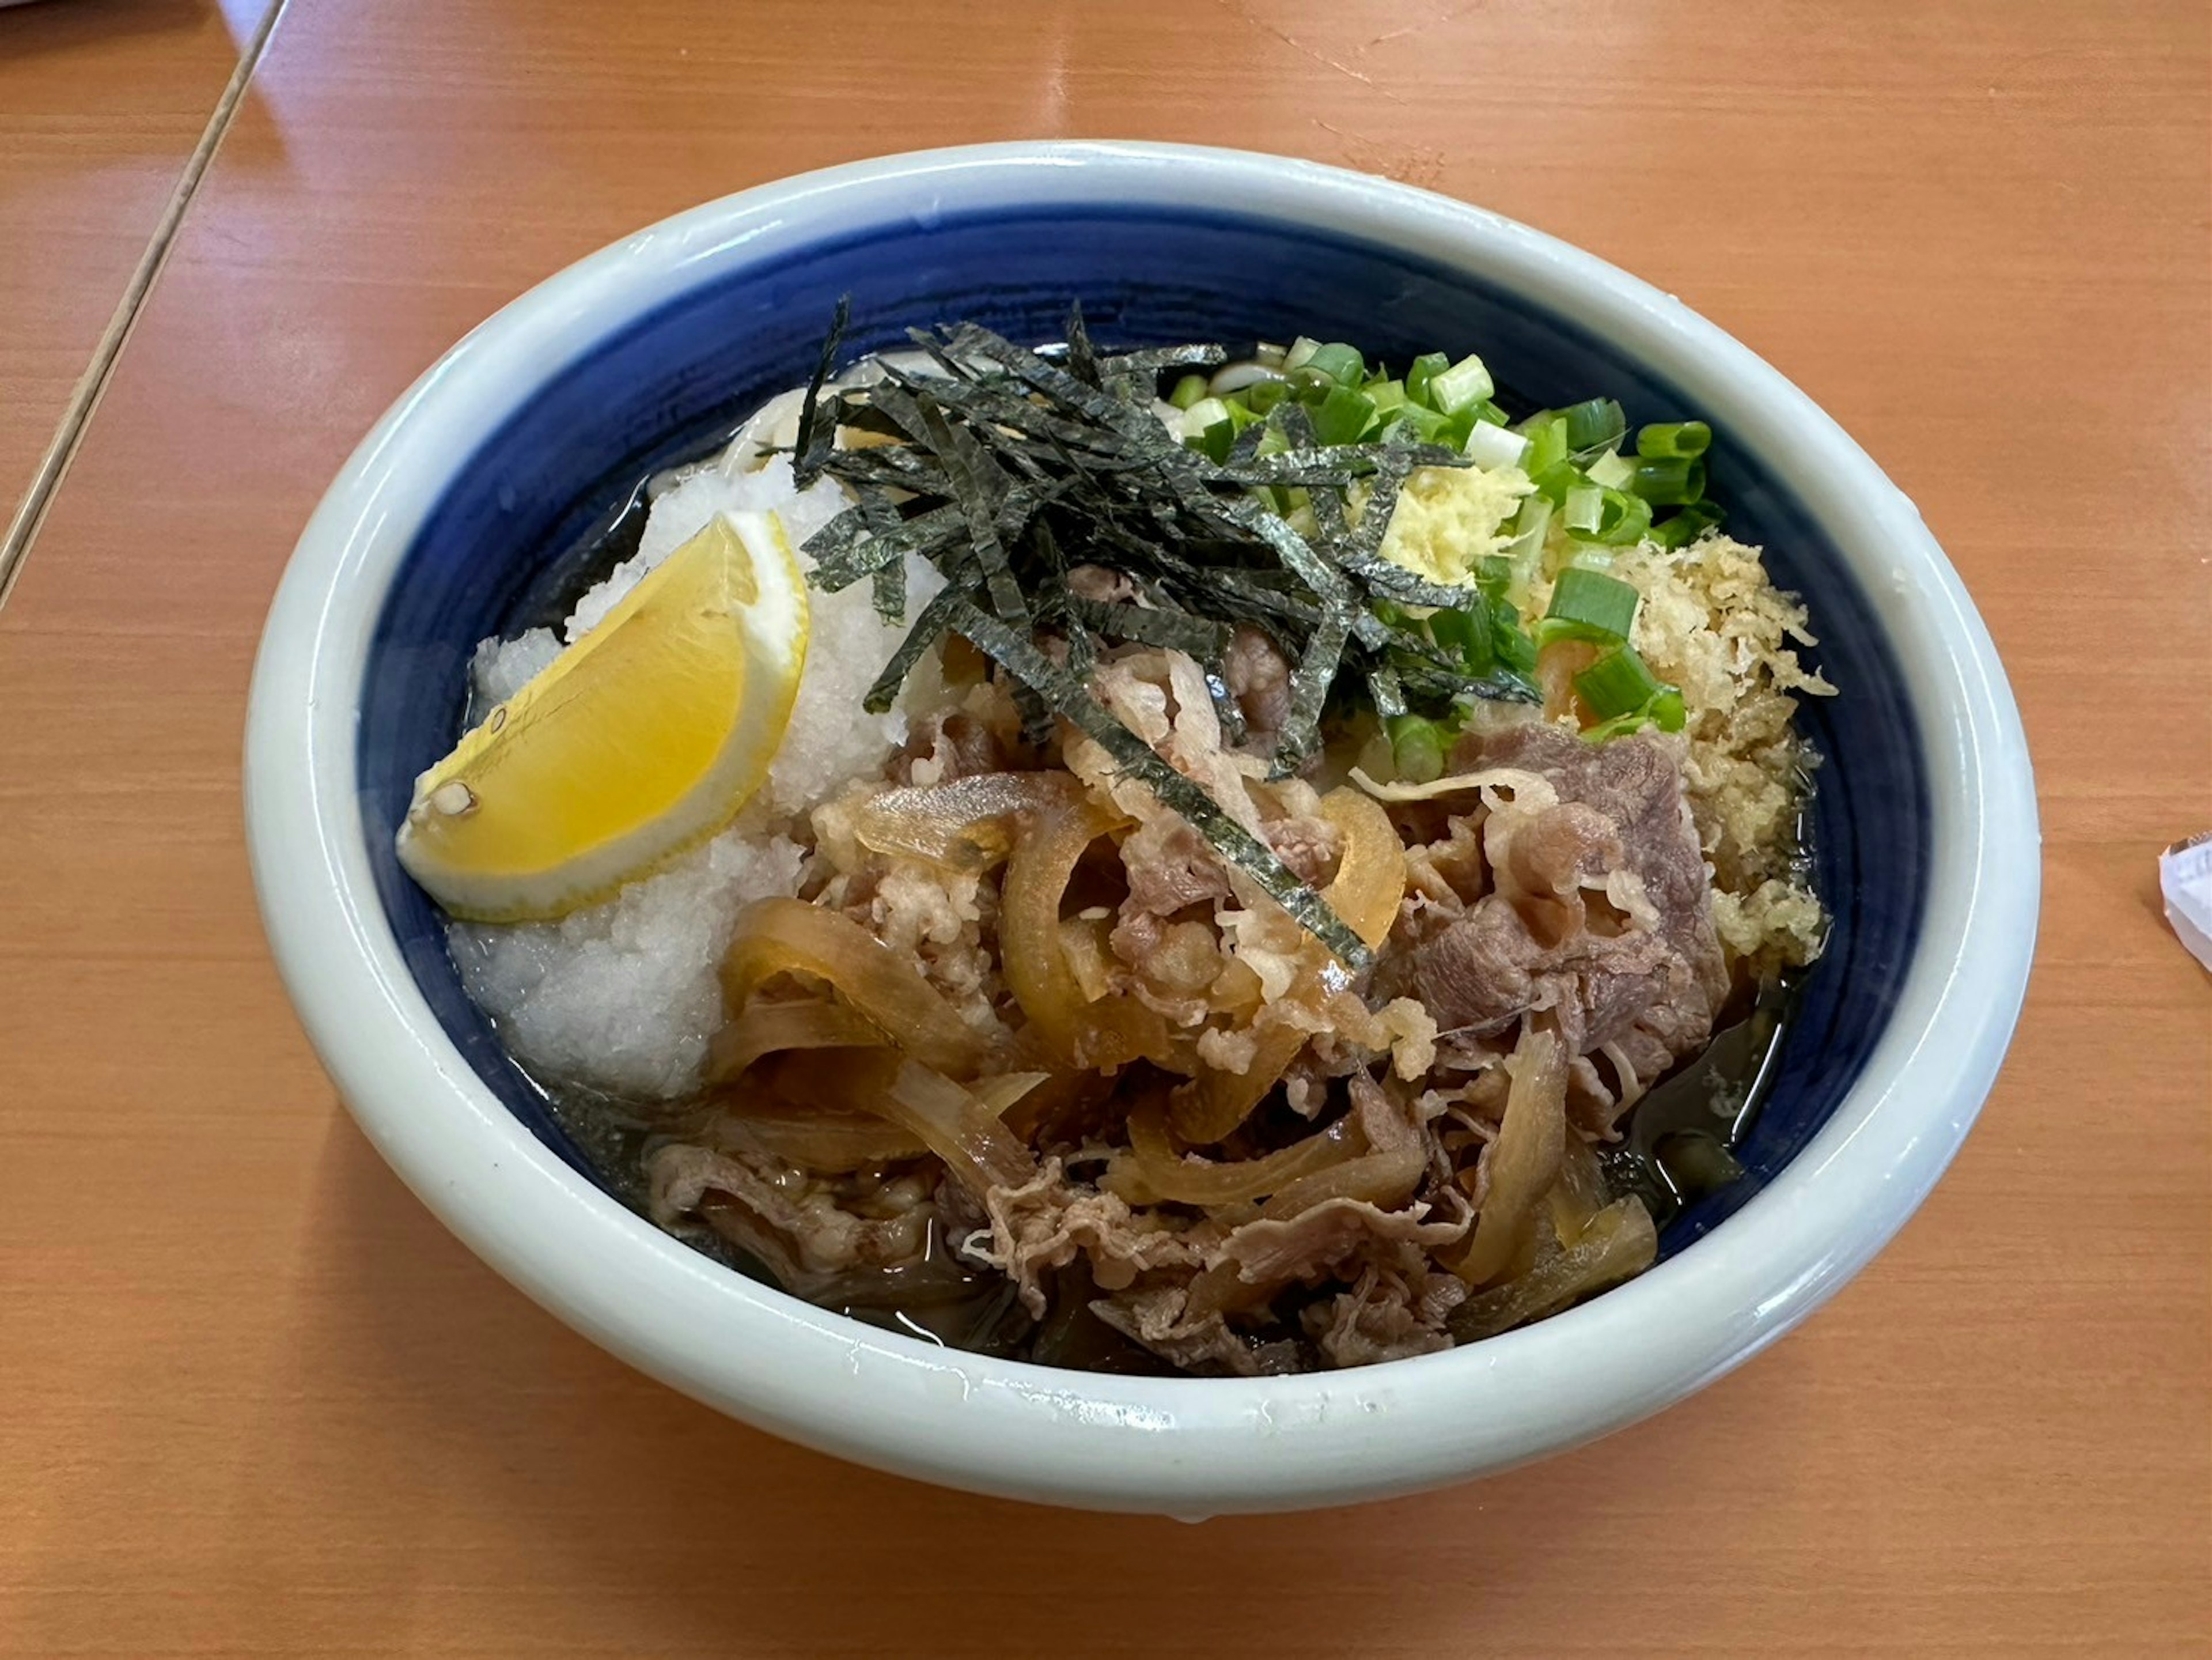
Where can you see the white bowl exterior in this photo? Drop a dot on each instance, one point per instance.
(1178, 1446)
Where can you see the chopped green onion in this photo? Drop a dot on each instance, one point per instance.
(1343, 416)
(1462, 385)
(1596, 422)
(1341, 363)
(1668, 710)
(1687, 525)
(1619, 683)
(1623, 519)
(1671, 438)
(1188, 390)
(1309, 385)
(1203, 414)
(1424, 369)
(1516, 651)
(1584, 504)
(1547, 443)
(1668, 480)
(1530, 527)
(1588, 606)
(1264, 395)
(1487, 410)
(1554, 482)
(1387, 395)
(1492, 446)
(1301, 350)
(1612, 470)
(1217, 439)
(1466, 634)
(1424, 422)
(1417, 749)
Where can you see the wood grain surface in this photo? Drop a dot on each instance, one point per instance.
(254, 1400)
(101, 102)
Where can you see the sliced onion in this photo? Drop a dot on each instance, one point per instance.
(1370, 881)
(778, 936)
(831, 1141)
(958, 1127)
(1073, 1030)
(764, 1028)
(1524, 1160)
(1618, 1243)
(1154, 1172)
(1386, 1174)
(966, 825)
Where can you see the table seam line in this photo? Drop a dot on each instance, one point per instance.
(92, 386)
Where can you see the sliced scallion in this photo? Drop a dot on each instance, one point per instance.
(1423, 370)
(1587, 605)
(1461, 386)
(1668, 480)
(1341, 363)
(1198, 416)
(1417, 749)
(1547, 443)
(1687, 525)
(1593, 422)
(1584, 505)
(1668, 438)
(1622, 520)
(1493, 446)
(1618, 684)
(1301, 349)
(1342, 416)
(1612, 470)
(1188, 390)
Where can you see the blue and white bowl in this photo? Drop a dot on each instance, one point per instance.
(460, 506)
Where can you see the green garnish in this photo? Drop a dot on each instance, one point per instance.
(1665, 438)
(1622, 690)
(1588, 605)
(1417, 749)
(1668, 480)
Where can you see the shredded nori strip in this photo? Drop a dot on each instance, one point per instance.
(818, 437)
(1019, 466)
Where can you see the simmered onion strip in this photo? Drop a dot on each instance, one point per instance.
(779, 936)
(764, 1028)
(1370, 880)
(965, 825)
(1155, 1173)
(957, 1126)
(1524, 1160)
(1076, 1032)
(1385, 1175)
(1618, 1243)
(842, 1123)
(829, 1140)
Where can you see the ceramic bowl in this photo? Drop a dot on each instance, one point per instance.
(498, 465)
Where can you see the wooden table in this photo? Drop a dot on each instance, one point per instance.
(253, 1400)
(103, 105)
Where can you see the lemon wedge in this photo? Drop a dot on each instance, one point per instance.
(640, 739)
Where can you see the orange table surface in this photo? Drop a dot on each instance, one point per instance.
(253, 1399)
(101, 103)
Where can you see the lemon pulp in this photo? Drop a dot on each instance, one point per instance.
(641, 738)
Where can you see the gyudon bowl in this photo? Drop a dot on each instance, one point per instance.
(475, 495)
